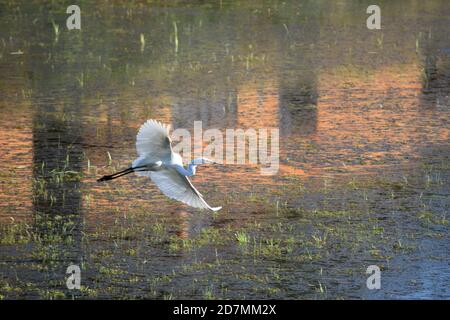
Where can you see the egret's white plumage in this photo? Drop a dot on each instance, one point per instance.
(153, 142)
(158, 162)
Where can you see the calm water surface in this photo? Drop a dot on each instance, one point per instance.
(364, 149)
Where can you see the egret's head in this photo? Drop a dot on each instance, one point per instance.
(198, 161)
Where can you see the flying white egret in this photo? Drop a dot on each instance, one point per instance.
(165, 167)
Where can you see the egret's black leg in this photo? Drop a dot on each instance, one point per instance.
(120, 173)
(115, 175)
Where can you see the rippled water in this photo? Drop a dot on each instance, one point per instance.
(364, 149)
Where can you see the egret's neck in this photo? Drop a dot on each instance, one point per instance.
(192, 168)
(190, 171)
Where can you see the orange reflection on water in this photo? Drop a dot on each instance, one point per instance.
(374, 116)
(16, 189)
(357, 117)
(258, 105)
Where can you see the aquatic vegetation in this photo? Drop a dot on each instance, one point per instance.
(242, 237)
(430, 218)
(110, 271)
(15, 233)
(364, 164)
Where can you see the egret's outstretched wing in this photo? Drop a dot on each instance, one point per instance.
(178, 187)
(153, 142)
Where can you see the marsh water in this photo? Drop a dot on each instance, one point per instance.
(364, 149)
